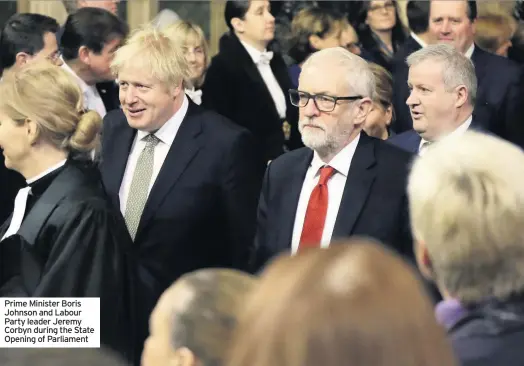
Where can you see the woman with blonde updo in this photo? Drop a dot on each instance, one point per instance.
(63, 239)
(192, 40)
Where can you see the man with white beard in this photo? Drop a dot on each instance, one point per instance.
(343, 183)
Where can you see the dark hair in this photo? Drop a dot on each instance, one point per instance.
(472, 10)
(24, 33)
(397, 33)
(90, 27)
(311, 21)
(417, 12)
(235, 9)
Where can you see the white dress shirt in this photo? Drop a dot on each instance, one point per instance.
(92, 98)
(195, 95)
(418, 39)
(470, 50)
(271, 82)
(166, 134)
(336, 184)
(457, 132)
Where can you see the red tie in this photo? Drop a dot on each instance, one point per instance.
(316, 212)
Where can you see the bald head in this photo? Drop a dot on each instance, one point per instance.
(194, 318)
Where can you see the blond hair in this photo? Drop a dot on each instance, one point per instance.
(466, 198)
(493, 30)
(185, 33)
(50, 97)
(355, 303)
(151, 50)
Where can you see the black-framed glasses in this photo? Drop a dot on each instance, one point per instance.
(324, 103)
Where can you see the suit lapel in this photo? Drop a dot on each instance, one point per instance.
(113, 168)
(480, 70)
(358, 185)
(184, 148)
(290, 196)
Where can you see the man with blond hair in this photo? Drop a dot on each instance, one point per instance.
(185, 178)
(466, 205)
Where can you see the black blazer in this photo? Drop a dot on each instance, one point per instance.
(10, 183)
(108, 91)
(373, 204)
(72, 243)
(234, 88)
(201, 211)
(500, 94)
(400, 70)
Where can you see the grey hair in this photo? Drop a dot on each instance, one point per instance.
(457, 68)
(359, 76)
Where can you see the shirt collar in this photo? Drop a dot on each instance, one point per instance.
(470, 50)
(457, 132)
(418, 39)
(46, 172)
(253, 52)
(168, 131)
(340, 162)
(83, 85)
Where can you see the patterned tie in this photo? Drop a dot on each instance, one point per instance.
(138, 192)
(316, 212)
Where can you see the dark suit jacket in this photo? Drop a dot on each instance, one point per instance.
(72, 243)
(373, 204)
(500, 94)
(108, 91)
(400, 72)
(234, 88)
(10, 183)
(200, 213)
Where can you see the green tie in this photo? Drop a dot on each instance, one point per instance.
(138, 192)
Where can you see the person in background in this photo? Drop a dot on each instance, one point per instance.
(89, 40)
(193, 322)
(74, 5)
(466, 199)
(64, 238)
(380, 30)
(498, 107)
(25, 38)
(494, 33)
(355, 303)
(192, 40)
(382, 113)
(247, 83)
(60, 357)
(314, 29)
(417, 12)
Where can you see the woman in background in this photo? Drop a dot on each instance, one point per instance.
(380, 30)
(193, 41)
(63, 239)
(378, 121)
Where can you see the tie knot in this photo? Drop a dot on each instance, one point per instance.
(325, 173)
(151, 140)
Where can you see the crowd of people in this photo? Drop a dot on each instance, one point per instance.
(337, 190)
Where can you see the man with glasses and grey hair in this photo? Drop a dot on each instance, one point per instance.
(343, 183)
(443, 92)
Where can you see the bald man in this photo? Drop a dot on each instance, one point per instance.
(193, 321)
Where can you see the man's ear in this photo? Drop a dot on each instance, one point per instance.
(423, 260)
(462, 95)
(363, 109)
(84, 55)
(22, 58)
(238, 25)
(183, 357)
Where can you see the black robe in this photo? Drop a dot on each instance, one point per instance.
(72, 243)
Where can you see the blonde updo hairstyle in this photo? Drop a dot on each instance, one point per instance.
(50, 97)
